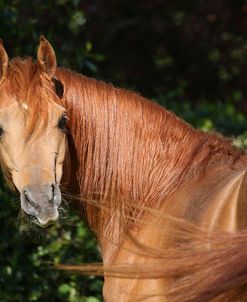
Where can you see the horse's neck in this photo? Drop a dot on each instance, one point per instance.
(215, 201)
(131, 152)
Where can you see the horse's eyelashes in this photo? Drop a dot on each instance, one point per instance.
(62, 122)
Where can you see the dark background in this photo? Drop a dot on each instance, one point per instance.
(188, 55)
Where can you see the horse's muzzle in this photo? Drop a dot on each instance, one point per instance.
(41, 202)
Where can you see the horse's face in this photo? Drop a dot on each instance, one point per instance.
(32, 159)
(34, 166)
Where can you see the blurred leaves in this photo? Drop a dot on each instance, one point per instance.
(27, 258)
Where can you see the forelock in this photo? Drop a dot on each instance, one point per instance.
(33, 91)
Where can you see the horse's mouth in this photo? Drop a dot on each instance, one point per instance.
(50, 223)
(47, 225)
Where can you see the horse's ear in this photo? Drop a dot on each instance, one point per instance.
(46, 57)
(4, 61)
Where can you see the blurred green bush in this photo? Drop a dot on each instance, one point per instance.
(189, 55)
(27, 257)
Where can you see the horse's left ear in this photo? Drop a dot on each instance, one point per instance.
(4, 61)
(46, 57)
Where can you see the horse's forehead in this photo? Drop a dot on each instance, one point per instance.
(13, 110)
(9, 98)
(10, 103)
(6, 99)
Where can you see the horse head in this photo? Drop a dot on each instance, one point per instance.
(33, 131)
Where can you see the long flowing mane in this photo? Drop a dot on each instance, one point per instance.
(132, 149)
(133, 157)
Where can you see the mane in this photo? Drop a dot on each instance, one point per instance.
(132, 151)
(133, 156)
(28, 86)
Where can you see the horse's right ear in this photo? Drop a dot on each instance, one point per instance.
(46, 57)
(4, 61)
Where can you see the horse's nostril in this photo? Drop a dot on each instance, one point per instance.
(51, 199)
(53, 190)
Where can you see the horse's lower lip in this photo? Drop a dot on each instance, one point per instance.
(45, 224)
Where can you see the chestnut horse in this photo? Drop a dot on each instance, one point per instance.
(167, 202)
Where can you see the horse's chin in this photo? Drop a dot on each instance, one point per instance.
(47, 225)
(31, 221)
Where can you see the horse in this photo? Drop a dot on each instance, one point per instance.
(167, 202)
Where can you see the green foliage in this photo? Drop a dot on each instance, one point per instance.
(190, 56)
(27, 258)
(224, 117)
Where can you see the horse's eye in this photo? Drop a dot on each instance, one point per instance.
(62, 122)
(1, 132)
